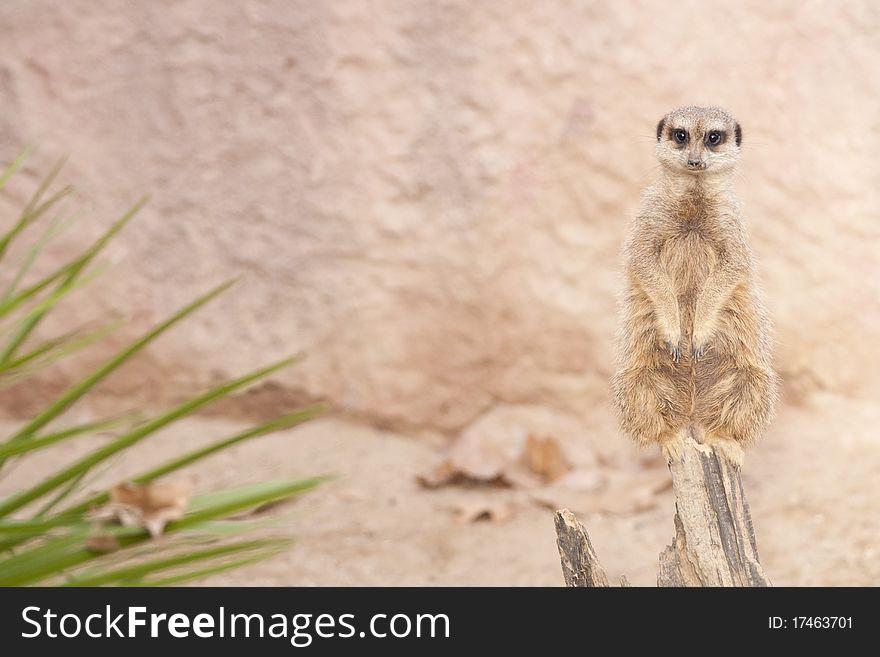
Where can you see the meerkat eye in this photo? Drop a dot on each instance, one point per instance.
(680, 136)
(714, 138)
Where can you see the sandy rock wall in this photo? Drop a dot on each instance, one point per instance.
(429, 197)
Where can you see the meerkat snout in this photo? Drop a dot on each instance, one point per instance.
(696, 140)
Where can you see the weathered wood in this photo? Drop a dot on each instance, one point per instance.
(714, 543)
(580, 565)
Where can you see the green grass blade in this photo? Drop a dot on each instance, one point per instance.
(16, 165)
(56, 348)
(139, 571)
(54, 297)
(50, 352)
(82, 262)
(202, 573)
(32, 211)
(49, 301)
(31, 215)
(230, 502)
(279, 424)
(37, 352)
(50, 559)
(223, 528)
(74, 485)
(34, 527)
(8, 306)
(175, 464)
(44, 185)
(74, 267)
(52, 482)
(56, 227)
(23, 326)
(72, 394)
(62, 495)
(70, 280)
(12, 536)
(22, 447)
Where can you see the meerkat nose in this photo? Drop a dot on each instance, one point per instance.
(694, 163)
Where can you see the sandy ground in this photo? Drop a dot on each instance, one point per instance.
(811, 484)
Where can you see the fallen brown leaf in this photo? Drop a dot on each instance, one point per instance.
(471, 460)
(477, 458)
(474, 460)
(151, 506)
(544, 457)
(482, 510)
(98, 542)
(441, 475)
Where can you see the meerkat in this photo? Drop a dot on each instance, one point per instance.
(694, 347)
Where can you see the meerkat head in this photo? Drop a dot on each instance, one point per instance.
(698, 140)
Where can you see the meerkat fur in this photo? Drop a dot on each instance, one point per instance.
(694, 346)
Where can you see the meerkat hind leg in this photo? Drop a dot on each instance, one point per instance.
(672, 445)
(726, 447)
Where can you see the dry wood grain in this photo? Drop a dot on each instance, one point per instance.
(714, 543)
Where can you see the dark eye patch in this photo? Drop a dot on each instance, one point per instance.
(715, 138)
(678, 136)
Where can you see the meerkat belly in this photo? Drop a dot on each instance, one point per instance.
(688, 259)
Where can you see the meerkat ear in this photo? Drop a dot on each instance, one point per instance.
(738, 134)
(660, 128)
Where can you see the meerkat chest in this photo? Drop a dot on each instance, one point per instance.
(690, 245)
(688, 259)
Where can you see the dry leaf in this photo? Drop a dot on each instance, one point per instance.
(477, 459)
(151, 506)
(98, 542)
(470, 461)
(442, 475)
(476, 510)
(544, 457)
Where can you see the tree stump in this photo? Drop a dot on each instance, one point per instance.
(580, 565)
(714, 543)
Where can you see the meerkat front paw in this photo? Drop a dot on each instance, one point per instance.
(701, 338)
(700, 342)
(674, 350)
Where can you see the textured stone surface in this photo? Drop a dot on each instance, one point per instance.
(429, 197)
